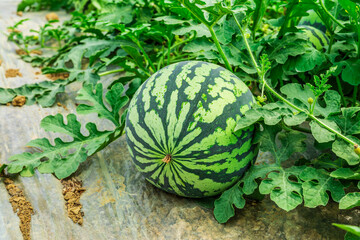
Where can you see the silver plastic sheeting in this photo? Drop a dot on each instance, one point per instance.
(118, 203)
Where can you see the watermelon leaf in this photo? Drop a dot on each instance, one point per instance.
(224, 206)
(284, 187)
(290, 142)
(59, 158)
(321, 134)
(315, 186)
(113, 97)
(290, 46)
(350, 200)
(43, 93)
(64, 157)
(346, 151)
(349, 120)
(345, 173)
(353, 230)
(271, 114)
(302, 94)
(309, 60)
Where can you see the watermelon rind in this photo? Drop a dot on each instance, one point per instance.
(180, 129)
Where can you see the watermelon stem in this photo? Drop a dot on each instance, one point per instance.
(247, 45)
(329, 14)
(167, 159)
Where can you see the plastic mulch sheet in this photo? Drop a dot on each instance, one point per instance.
(118, 203)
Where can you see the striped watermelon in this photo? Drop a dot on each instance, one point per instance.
(179, 129)
(317, 37)
(313, 20)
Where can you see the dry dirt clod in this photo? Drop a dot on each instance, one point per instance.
(72, 190)
(21, 206)
(51, 16)
(36, 51)
(62, 105)
(21, 52)
(13, 30)
(10, 73)
(18, 101)
(56, 76)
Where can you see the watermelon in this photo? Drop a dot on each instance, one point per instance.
(317, 37)
(180, 129)
(313, 20)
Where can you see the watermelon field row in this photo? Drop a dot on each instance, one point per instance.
(199, 88)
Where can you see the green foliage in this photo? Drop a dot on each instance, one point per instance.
(353, 232)
(64, 157)
(224, 208)
(43, 93)
(317, 182)
(37, 5)
(289, 142)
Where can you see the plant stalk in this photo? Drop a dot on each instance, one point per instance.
(340, 91)
(354, 95)
(358, 40)
(168, 51)
(111, 72)
(331, 43)
(218, 46)
(213, 35)
(329, 14)
(183, 42)
(146, 56)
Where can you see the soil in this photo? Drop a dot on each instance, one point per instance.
(18, 101)
(21, 52)
(10, 73)
(51, 16)
(14, 30)
(36, 51)
(62, 105)
(56, 76)
(21, 206)
(72, 190)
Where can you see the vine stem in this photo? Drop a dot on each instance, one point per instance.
(213, 35)
(331, 43)
(136, 41)
(321, 123)
(340, 90)
(354, 96)
(183, 42)
(329, 14)
(218, 46)
(111, 72)
(358, 33)
(277, 95)
(247, 46)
